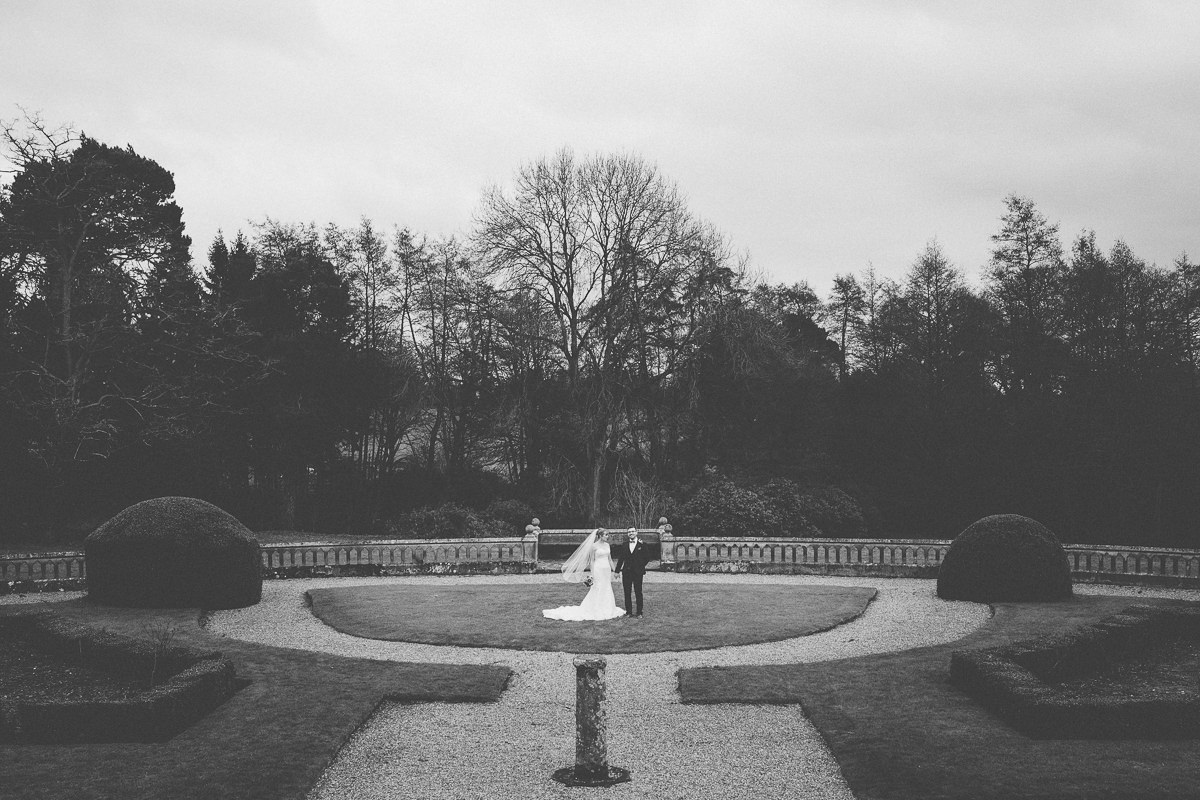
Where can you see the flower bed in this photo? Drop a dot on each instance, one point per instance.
(1062, 686)
(136, 690)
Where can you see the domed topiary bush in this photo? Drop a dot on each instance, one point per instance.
(173, 552)
(1005, 557)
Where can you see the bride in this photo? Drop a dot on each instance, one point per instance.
(599, 602)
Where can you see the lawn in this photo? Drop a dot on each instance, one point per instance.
(688, 616)
(271, 740)
(899, 729)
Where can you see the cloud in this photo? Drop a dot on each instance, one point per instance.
(817, 135)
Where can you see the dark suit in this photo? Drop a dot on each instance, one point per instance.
(632, 567)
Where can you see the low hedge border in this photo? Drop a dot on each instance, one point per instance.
(1014, 681)
(196, 682)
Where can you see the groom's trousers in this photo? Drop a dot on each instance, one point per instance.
(633, 586)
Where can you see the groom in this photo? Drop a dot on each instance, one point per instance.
(631, 566)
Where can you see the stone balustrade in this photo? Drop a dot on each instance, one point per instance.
(42, 567)
(899, 557)
(1113, 563)
(413, 554)
(54, 571)
(916, 558)
(824, 556)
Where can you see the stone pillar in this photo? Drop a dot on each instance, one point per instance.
(667, 540)
(591, 729)
(529, 545)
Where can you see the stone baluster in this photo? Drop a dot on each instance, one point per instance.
(591, 729)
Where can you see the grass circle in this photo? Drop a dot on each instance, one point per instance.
(678, 616)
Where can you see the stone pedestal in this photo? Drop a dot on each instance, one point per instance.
(591, 730)
(666, 540)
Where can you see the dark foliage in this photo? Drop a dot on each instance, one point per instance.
(447, 521)
(723, 509)
(514, 513)
(832, 511)
(779, 507)
(1005, 557)
(785, 499)
(173, 552)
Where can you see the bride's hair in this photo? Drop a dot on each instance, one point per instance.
(599, 534)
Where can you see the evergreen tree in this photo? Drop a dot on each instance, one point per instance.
(1024, 281)
(844, 311)
(227, 278)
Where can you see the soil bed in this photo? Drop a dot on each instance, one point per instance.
(28, 674)
(1168, 671)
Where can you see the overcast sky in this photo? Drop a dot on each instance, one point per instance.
(818, 136)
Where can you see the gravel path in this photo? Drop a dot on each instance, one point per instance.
(509, 748)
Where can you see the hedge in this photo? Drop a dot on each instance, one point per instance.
(1015, 681)
(195, 682)
(173, 552)
(1005, 557)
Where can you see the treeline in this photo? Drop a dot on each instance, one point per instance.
(593, 351)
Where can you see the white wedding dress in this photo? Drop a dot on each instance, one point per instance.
(599, 602)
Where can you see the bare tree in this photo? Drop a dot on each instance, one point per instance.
(607, 250)
(879, 340)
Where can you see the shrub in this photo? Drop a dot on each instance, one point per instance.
(1005, 557)
(173, 552)
(448, 521)
(833, 512)
(784, 499)
(515, 514)
(722, 509)
(813, 510)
